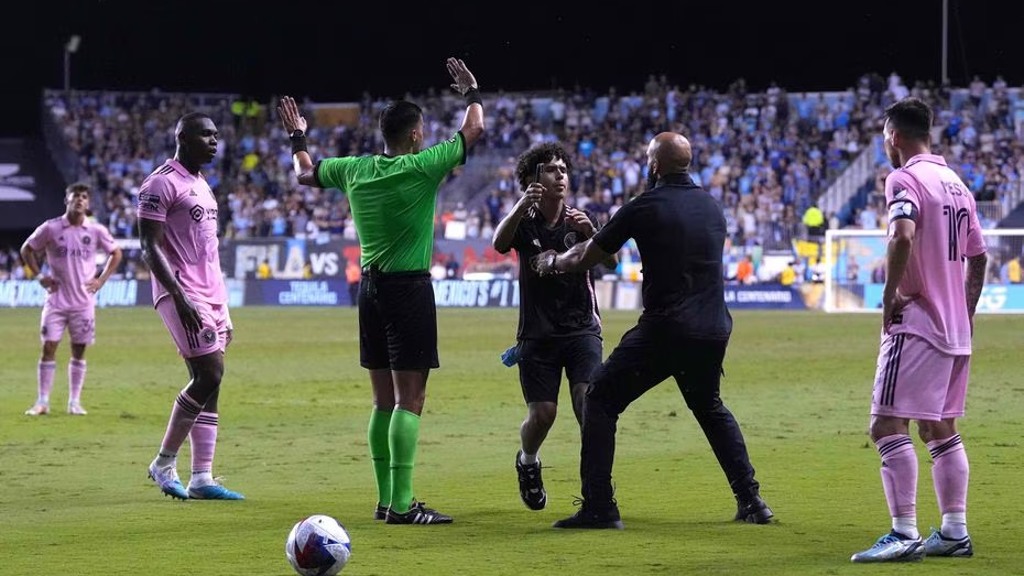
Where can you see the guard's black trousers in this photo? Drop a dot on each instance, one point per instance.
(646, 356)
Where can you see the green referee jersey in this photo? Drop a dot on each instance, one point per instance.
(393, 200)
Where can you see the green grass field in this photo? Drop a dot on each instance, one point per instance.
(294, 407)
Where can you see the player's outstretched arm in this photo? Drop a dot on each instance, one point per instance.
(295, 125)
(582, 256)
(464, 83)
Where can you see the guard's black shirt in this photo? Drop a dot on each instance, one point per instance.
(680, 233)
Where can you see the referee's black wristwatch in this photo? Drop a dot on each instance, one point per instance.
(297, 133)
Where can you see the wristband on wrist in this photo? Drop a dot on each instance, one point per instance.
(298, 139)
(473, 97)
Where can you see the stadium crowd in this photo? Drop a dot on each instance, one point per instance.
(765, 155)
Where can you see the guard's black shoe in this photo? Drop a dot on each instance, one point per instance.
(754, 510)
(381, 512)
(589, 517)
(531, 486)
(417, 514)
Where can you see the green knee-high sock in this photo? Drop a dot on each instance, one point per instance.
(403, 436)
(380, 453)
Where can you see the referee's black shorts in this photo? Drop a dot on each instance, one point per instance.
(397, 321)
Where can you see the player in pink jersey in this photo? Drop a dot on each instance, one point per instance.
(70, 243)
(935, 269)
(178, 232)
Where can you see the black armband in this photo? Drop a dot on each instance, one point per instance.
(298, 144)
(473, 97)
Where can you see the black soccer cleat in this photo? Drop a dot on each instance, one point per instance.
(591, 518)
(417, 514)
(754, 511)
(381, 512)
(531, 486)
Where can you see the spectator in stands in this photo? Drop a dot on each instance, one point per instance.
(353, 274)
(745, 270)
(451, 267)
(393, 197)
(788, 275)
(70, 244)
(263, 271)
(814, 220)
(1013, 273)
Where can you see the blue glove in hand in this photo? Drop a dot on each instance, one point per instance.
(510, 357)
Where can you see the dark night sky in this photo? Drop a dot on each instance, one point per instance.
(335, 50)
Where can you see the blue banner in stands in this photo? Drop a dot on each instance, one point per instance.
(765, 297)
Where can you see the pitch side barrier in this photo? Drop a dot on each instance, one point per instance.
(489, 293)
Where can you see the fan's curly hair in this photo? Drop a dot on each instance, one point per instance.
(526, 165)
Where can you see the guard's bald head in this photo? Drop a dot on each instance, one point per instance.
(670, 152)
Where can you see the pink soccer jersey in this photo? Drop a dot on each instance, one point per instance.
(185, 204)
(71, 255)
(947, 232)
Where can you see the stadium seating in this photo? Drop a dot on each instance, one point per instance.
(766, 155)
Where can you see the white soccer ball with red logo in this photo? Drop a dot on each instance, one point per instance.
(318, 546)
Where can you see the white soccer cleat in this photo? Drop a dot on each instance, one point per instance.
(939, 545)
(166, 478)
(39, 409)
(892, 547)
(75, 409)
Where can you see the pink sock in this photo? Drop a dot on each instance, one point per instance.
(203, 439)
(950, 473)
(899, 475)
(183, 416)
(44, 380)
(76, 379)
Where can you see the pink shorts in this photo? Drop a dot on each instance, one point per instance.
(212, 337)
(81, 325)
(916, 380)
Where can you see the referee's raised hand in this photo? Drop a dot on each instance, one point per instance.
(463, 78)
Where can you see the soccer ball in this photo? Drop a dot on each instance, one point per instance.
(318, 546)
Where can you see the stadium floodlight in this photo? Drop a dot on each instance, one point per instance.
(70, 48)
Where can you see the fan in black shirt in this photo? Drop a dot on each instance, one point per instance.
(559, 323)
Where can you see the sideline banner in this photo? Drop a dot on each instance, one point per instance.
(496, 293)
(29, 294)
(492, 293)
(995, 298)
(296, 293)
(764, 297)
